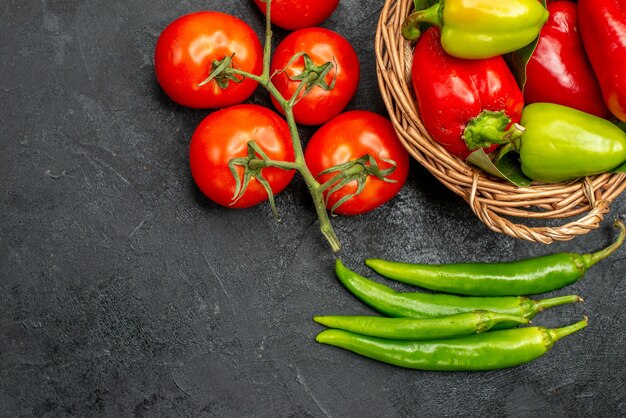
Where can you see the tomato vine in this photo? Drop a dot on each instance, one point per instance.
(313, 76)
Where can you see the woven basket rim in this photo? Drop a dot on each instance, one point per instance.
(493, 200)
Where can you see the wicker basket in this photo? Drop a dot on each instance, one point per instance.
(585, 202)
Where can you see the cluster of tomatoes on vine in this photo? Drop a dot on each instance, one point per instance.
(244, 154)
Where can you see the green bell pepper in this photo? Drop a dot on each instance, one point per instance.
(560, 143)
(477, 29)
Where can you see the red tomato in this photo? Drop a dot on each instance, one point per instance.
(299, 14)
(350, 136)
(185, 52)
(224, 135)
(322, 46)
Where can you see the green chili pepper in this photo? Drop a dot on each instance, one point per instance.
(449, 326)
(483, 29)
(425, 305)
(560, 143)
(524, 277)
(488, 351)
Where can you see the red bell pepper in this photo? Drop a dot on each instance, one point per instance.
(559, 70)
(603, 29)
(454, 93)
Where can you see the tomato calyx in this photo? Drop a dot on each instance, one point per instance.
(221, 72)
(312, 76)
(253, 165)
(356, 170)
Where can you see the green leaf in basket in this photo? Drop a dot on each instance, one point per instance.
(620, 169)
(505, 166)
(509, 165)
(518, 60)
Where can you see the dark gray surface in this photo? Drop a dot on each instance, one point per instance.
(125, 292)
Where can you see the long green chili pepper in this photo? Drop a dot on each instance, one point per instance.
(524, 277)
(488, 351)
(425, 305)
(450, 326)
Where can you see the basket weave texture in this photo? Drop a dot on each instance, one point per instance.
(581, 205)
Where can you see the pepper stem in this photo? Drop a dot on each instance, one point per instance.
(490, 128)
(433, 15)
(591, 259)
(540, 305)
(558, 333)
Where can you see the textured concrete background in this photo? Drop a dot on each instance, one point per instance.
(124, 292)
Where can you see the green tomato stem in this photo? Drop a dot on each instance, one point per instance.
(300, 164)
(260, 163)
(267, 49)
(314, 187)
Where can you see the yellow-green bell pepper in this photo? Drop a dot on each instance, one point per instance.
(560, 143)
(477, 29)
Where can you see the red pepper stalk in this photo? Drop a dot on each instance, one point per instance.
(559, 70)
(603, 29)
(464, 101)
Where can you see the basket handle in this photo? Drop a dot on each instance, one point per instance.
(545, 235)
